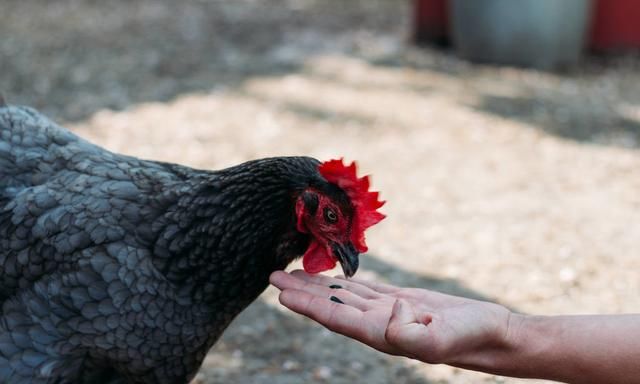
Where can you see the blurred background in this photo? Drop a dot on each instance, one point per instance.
(515, 182)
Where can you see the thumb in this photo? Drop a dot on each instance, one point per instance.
(408, 331)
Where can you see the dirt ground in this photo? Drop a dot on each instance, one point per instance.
(511, 185)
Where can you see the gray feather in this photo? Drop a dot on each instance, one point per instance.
(116, 268)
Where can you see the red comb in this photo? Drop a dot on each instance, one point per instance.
(365, 203)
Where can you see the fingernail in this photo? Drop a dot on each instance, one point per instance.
(336, 300)
(335, 286)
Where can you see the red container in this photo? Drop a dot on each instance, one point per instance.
(616, 25)
(431, 21)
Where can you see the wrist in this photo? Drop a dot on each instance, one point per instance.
(507, 352)
(502, 339)
(515, 331)
(531, 347)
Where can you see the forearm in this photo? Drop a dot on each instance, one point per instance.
(573, 349)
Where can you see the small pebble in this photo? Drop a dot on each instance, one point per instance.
(567, 275)
(322, 373)
(290, 365)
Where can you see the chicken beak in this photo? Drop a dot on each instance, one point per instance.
(347, 256)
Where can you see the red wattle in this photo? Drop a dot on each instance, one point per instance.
(317, 259)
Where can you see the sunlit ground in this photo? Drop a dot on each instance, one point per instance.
(505, 184)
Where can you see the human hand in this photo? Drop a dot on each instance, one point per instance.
(429, 326)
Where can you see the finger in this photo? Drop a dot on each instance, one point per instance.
(283, 280)
(287, 281)
(317, 278)
(277, 278)
(340, 318)
(366, 327)
(374, 285)
(408, 331)
(327, 281)
(425, 296)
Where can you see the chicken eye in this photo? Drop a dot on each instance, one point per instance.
(330, 216)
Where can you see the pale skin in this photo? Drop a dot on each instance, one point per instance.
(442, 329)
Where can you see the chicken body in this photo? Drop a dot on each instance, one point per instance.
(119, 270)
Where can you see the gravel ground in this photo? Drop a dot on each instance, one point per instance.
(511, 185)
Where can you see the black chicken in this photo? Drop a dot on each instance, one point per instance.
(115, 269)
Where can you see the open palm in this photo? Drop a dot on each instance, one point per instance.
(417, 323)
